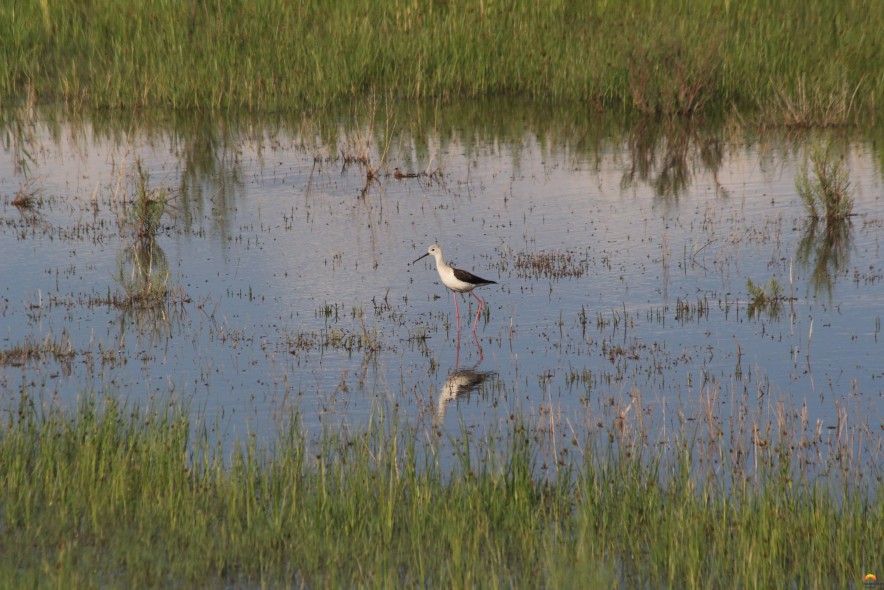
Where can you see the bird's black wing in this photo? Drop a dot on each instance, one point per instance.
(469, 277)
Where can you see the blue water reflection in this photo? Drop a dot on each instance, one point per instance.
(622, 272)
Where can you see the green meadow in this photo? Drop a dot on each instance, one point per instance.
(774, 62)
(106, 495)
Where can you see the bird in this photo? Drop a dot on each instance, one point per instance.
(458, 280)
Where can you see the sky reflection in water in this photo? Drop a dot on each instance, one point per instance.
(622, 274)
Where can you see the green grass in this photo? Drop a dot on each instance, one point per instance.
(764, 297)
(145, 211)
(789, 63)
(107, 495)
(825, 192)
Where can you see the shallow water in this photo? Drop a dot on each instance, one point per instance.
(622, 267)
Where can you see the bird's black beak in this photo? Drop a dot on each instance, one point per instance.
(424, 256)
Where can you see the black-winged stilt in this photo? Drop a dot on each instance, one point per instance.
(459, 281)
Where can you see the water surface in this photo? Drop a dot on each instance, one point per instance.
(621, 256)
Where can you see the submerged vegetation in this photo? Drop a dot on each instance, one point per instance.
(790, 63)
(110, 495)
(25, 198)
(760, 295)
(766, 298)
(551, 265)
(143, 274)
(18, 355)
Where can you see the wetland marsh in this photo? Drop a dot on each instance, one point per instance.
(220, 367)
(622, 267)
(622, 333)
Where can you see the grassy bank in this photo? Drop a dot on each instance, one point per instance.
(109, 496)
(782, 61)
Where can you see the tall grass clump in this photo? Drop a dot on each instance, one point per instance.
(111, 495)
(824, 186)
(669, 77)
(142, 269)
(145, 211)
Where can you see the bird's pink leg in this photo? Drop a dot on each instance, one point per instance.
(456, 313)
(478, 311)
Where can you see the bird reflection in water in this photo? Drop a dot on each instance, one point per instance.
(460, 384)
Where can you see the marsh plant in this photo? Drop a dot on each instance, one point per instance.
(26, 198)
(29, 202)
(142, 268)
(20, 354)
(824, 186)
(670, 78)
(143, 214)
(765, 297)
(143, 273)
